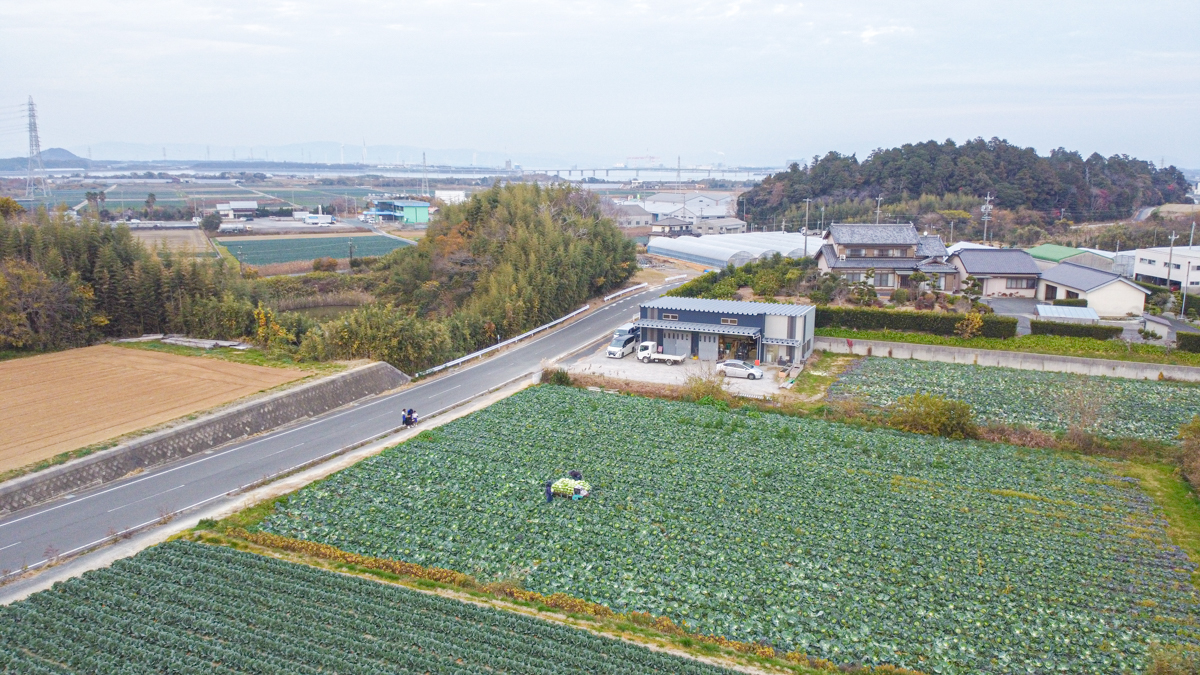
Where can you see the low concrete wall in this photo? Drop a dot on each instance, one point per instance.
(1019, 360)
(238, 421)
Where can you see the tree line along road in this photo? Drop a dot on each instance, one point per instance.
(75, 523)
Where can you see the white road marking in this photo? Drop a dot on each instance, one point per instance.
(145, 498)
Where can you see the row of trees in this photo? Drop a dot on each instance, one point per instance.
(1061, 185)
(510, 259)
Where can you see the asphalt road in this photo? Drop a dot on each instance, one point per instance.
(78, 522)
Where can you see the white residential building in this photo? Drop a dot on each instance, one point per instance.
(1151, 266)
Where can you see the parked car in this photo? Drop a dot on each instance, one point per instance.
(622, 345)
(648, 351)
(735, 368)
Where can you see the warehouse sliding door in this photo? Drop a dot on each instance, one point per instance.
(708, 347)
(677, 343)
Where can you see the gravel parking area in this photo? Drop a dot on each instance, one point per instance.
(629, 368)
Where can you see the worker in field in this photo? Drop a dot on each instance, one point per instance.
(549, 492)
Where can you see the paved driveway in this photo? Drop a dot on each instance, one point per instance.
(1022, 308)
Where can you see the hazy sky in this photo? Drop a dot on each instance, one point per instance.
(595, 82)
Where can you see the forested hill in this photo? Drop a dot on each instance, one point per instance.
(1089, 189)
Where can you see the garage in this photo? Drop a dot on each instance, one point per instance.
(712, 330)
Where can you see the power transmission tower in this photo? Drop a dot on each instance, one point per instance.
(986, 210)
(424, 176)
(35, 179)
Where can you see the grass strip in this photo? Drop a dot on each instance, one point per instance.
(1116, 350)
(250, 357)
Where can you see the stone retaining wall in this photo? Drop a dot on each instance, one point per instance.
(238, 421)
(1020, 360)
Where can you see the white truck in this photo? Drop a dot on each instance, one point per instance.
(648, 351)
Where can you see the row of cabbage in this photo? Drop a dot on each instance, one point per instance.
(840, 542)
(1110, 406)
(191, 608)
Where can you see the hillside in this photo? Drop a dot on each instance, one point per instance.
(1019, 178)
(51, 158)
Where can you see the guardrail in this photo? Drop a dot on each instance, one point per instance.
(498, 345)
(677, 276)
(623, 292)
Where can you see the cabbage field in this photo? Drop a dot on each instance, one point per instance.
(837, 541)
(191, 608)
(1051, 401)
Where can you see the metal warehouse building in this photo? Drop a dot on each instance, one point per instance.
(726, 329)
(720, 250)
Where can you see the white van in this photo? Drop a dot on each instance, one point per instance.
(622, 345)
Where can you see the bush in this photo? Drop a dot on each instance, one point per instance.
(1149, 334)
(1074, 329)
(211, 222)
(970, 326)
(1186, 342)
(325, 265)
(933, 415)
(900, 296)
(907, 320)
(1071, 302)
(556, 376)
(1174, 660)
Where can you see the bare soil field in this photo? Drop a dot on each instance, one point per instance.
(60, 402)
(177, 240)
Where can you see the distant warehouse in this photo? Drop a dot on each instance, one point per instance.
(719, 250)
(725, 329)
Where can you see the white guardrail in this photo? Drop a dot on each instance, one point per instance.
(498, 345)
(624, 291)
(677, 276)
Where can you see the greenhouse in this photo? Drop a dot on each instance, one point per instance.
(720, 250)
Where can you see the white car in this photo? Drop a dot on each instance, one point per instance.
(734, 368)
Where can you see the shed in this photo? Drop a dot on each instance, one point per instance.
(1067, 314)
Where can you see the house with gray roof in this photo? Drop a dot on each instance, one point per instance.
(1110, 294)
(709, 330)
(1003, 272)
(891, 252)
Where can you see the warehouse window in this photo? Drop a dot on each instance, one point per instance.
(670, 317)
(728, 322)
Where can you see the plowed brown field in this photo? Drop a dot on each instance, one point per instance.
(68, 400)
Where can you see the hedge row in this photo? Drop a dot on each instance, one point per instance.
(1074, 329)
(1071, 302)
(1188, 342)
(938, 323)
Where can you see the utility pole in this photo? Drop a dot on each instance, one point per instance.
(878, 208)
(986, 210)
(351, 242)
(1187, 276)
(822, 218)
(35, 179)
(1171, 258)
(424, 176)
(952, 232)
(807, 202)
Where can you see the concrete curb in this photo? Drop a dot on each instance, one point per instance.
(210, 431)
(1133, 370)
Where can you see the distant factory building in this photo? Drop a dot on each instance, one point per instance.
(719, 250)
(450, 196)
(236, 210)
(632, 215)
(671, 227)
(719, 226)
(689, 206)
(400, 210)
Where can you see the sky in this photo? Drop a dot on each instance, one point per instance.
(593, 83)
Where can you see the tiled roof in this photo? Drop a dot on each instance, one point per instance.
(1084, 278)
(930, 246)
(900, 235)
(727, 306)
(997, 261)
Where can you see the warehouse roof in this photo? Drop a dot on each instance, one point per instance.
(874, 234)
(1053, 252)
(749, 331)
(727, 306)
(997, 261)
(1084, 278)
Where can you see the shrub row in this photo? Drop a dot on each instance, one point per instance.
(1188, 342)
(1074, 329)
(938, 323)
(1071, 302)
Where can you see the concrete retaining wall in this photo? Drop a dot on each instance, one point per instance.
(1019, 360)
(238, 421)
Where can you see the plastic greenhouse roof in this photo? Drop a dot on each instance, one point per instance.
(1061, 312)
